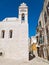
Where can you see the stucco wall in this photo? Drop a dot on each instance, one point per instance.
(17, 46)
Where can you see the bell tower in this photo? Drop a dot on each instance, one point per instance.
(23, 13)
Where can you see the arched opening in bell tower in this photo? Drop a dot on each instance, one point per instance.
(23, 16)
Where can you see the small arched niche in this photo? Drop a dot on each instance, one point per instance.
(3, 33)
(10, 33)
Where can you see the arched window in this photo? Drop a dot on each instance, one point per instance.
(23, 16)
(3, 33)
(10, 32)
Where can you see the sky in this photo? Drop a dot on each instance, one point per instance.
(9, 8)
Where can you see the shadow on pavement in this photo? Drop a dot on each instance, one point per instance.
(31, 56)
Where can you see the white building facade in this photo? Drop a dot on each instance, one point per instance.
(43, 23)
(14, 36)
(43, 31)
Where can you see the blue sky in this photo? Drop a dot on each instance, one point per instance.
(9, 8)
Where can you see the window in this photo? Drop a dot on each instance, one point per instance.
(40, 23)
(48, 36)
(40, 39)
(10, 33)
(43, 39)
(23, 16)
(47, 30)
(45, 17)
(1, 53)
(48, 8)
(3, 33)
(37, 38)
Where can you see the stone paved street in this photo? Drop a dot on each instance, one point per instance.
(35, 61)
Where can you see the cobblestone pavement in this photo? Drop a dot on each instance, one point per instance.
(35, 61)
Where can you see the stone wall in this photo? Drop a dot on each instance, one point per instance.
(17, 46)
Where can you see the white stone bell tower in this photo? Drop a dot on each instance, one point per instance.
(23, 13)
